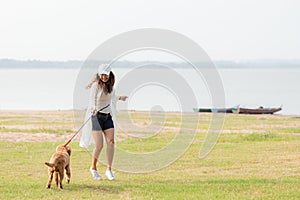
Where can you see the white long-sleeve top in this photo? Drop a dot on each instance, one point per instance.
(98, 99)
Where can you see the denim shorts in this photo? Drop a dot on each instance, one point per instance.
(102, 121)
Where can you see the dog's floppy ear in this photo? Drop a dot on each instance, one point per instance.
(68, 150)
(49, 164)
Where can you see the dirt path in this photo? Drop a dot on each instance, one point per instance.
(36, 137)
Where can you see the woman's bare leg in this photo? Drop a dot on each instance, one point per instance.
(98, 138)
(109, 136)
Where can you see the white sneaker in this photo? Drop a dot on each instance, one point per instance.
(95, 174)
(110, 175)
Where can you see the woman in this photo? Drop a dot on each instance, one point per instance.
(102, 96)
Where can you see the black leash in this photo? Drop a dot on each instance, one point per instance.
(83, 126)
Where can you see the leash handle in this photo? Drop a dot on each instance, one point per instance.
(69, 141)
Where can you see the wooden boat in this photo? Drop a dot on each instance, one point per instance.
(214, 110)
(202, 109)
(259, 110)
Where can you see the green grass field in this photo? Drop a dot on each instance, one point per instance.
(256, 157)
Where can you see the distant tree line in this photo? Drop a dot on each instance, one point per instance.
(74, 64)
(11, 63)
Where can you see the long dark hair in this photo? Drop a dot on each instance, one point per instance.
(107, 86)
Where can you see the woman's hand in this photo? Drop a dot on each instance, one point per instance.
(123, 98)
(94, 112)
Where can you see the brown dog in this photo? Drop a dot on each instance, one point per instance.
(59, 162)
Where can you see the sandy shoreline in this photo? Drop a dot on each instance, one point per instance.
(58, 125)
(35, 126)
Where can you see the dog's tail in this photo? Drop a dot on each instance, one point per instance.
(49, 164)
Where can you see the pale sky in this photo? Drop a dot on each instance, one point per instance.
(226, 29)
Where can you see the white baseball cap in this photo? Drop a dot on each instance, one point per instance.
(104, 69)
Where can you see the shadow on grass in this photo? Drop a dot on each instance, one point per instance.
(109, 189)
